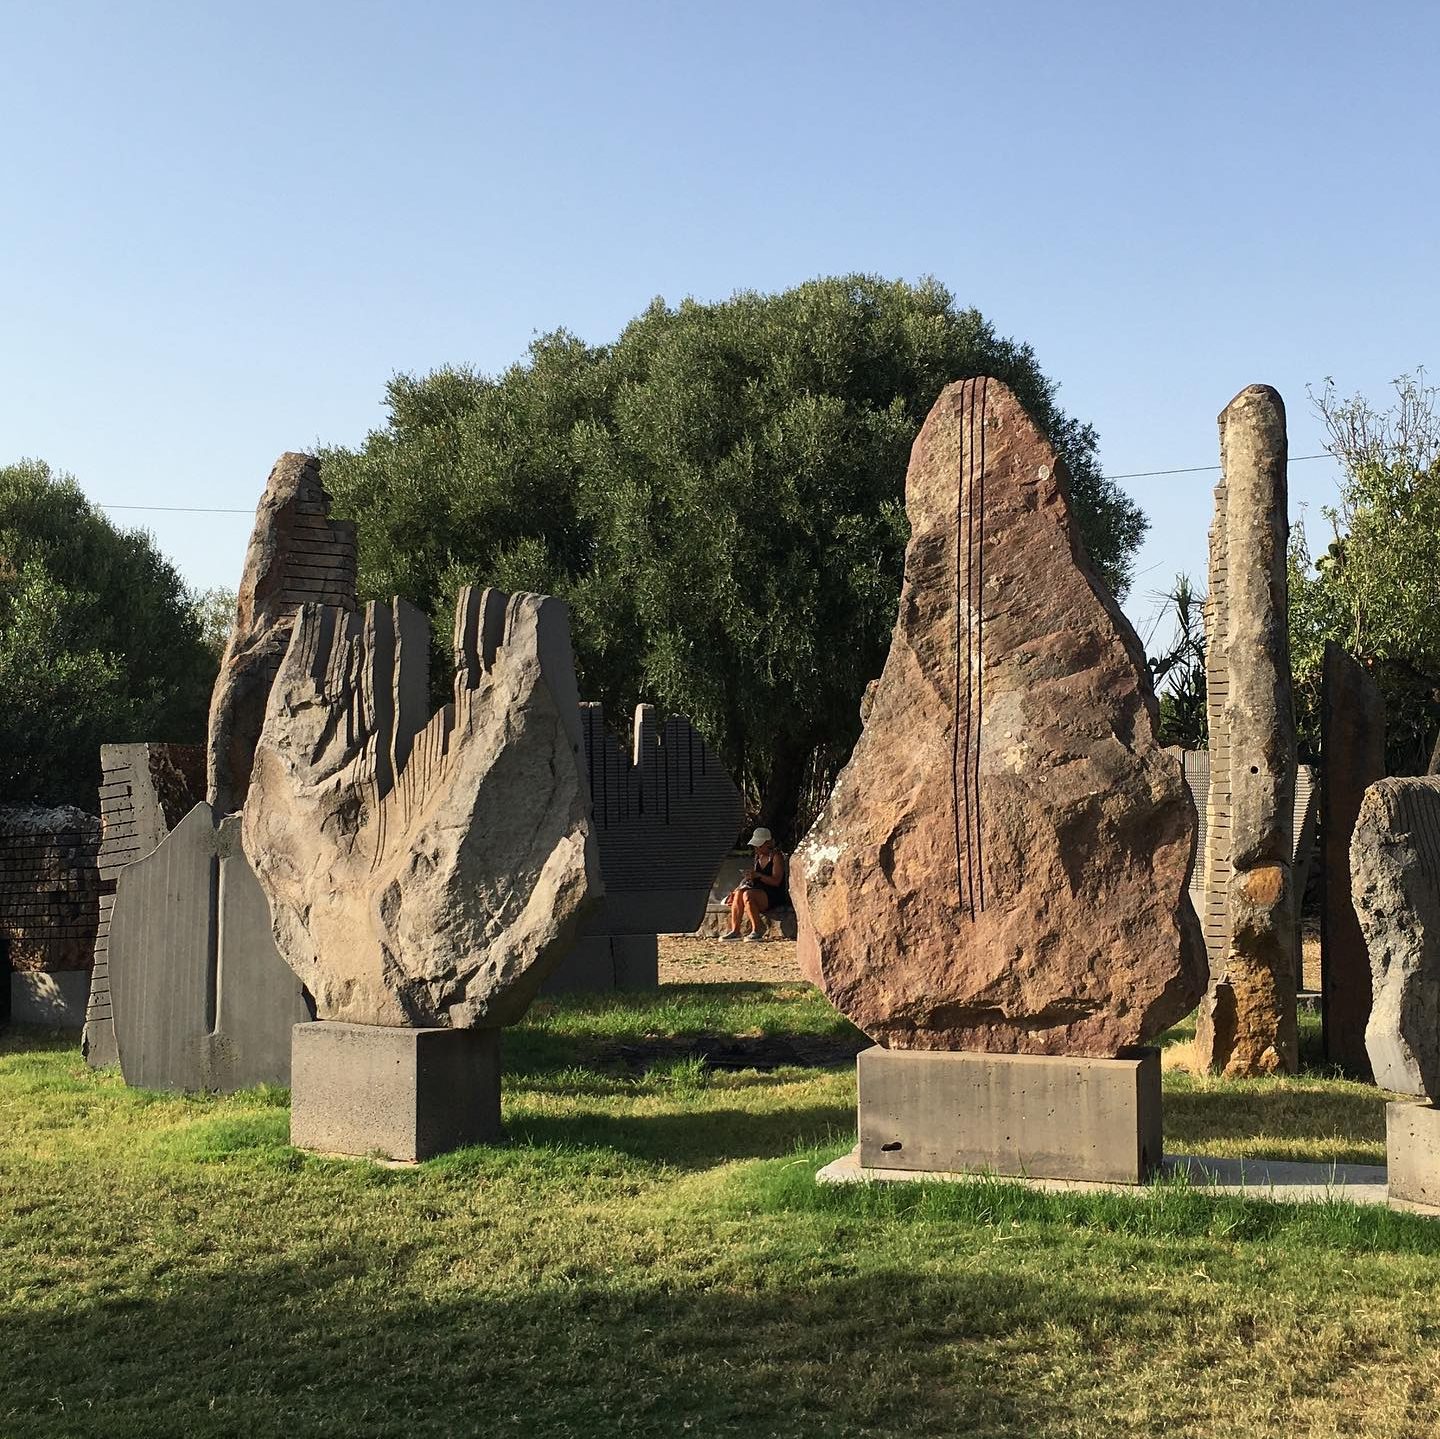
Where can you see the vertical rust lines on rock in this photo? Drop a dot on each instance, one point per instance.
(969, 649)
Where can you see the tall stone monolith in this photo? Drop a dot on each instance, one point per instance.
(1246, 1023)
(1352, 730)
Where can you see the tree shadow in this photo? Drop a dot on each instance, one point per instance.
(345, 1345)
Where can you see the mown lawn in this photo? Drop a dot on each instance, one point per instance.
(649, 1255)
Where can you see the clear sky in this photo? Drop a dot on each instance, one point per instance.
(223, 227)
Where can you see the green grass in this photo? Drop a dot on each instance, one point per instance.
(648, 1254)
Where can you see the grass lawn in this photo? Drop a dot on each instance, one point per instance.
(649, 1255)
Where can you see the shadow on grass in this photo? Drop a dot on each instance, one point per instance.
(1274, 1119)
(343, 1345)
(694, 1139)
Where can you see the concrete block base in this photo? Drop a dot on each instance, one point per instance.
(54, 999)
(399, 1094)
(1021, 1115)
(1412, 1152)
(602, 963)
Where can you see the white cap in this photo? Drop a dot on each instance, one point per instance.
(761, 836)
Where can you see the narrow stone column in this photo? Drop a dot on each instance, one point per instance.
(1352, 731)
(1246, 1021)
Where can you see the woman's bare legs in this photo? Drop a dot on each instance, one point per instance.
(756, 902)
(736, 911)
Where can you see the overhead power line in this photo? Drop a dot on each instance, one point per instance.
(1132, 475)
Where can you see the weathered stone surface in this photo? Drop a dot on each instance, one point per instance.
(1002, 863)
(1412, 1153)
(1246, 1023)
(147, 789)
(1352, 728)
(424, 873)
(1395, 884)
(298, 555)
(201, 998)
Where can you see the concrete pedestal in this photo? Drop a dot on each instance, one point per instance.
(1412, 1152)
(402, 1094)
(1011, 1114)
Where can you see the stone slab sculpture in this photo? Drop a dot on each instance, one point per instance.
(424, 872)
(1395, 885)
(1001, 867)
(297, 555)
(666, 813)
(146, 790)
(1352, 729)
(202, 999)
(1246, 1023)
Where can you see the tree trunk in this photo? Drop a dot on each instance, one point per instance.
(780, 797)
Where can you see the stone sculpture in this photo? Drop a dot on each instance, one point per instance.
(146, 790)
(1246, 1022)
(1352, 726)
(1002, 864)
(665, 816)
(1395, 883)
(202, 999)
(298, 555)
(424, 871)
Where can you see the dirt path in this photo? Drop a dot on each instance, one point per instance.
(687, 960)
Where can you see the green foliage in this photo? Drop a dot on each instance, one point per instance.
(1373, 590)
(1179, 672)
(214, 611)
(97, 641)
(719, 496)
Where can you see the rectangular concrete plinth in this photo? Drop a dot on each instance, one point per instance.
(1012, 1114)
(401, 1094)
(1412, 1152)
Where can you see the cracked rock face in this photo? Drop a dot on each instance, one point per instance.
(424, 870)
(1395, 883)
(1002, 864)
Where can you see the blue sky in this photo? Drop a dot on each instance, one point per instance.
(224, 227)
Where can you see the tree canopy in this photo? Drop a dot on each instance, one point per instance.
(1373, 588)
(718, 494)
(99, 642)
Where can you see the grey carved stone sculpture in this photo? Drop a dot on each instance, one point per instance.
(146, 791)
(1395, 883)
(298, 555)
(1246, 1023)
(1352, 728)
(424, 871)
(666, 815)
(202, 999)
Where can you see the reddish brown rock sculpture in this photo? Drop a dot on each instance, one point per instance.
(298, 555)
(1002, 864)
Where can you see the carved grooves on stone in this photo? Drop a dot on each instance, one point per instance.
(1215, 915)
(374, 667)
(969, 646)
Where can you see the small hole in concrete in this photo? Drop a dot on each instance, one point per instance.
(891, 1147)
(1254, 769)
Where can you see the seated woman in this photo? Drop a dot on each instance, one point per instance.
(765, 888)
